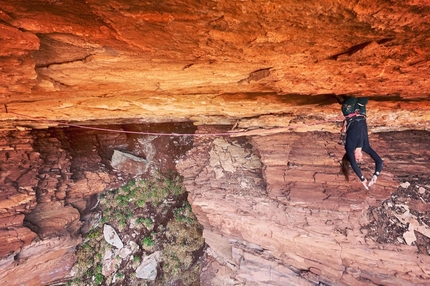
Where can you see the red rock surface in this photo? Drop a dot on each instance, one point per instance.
(295, 209)
(41, 263)
(39, 223)
(49, 184)
(212, 62)
(258, 65)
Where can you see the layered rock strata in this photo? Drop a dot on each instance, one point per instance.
(28, 187)
(248, 64)
(181, 60)
(276, 210)
(49, 185)
(43, 201)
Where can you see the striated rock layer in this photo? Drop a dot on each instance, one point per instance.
(270, 68)
(276, 210)
(205, 61)
(41, 206)
(49, 185)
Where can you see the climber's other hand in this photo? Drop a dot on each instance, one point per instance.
(373, 180)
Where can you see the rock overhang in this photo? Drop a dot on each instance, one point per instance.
(213, 62)
(261, 67)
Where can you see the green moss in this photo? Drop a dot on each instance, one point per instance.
(148, 241)
(98, 278)
(142, 200)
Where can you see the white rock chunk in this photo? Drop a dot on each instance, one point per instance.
(409, 236)
(133, 246)
(111, 262)
(128, 163)
(148, 267)
(125, 252)
(405, 185)
(112, 237)
(410, 219)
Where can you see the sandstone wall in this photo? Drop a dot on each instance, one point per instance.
(277, 211)
(254, 64)
(44, 195)
(190, 60)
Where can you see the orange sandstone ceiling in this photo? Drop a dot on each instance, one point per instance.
(212, 61)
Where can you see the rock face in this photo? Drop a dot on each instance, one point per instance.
(291, 217)
(50, 180)
(207, 62)
(272, 201)
(41, 205)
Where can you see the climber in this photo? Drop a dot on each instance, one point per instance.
(356, 139)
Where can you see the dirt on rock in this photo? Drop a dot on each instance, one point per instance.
(397, 219)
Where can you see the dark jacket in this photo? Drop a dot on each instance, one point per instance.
(356, 136)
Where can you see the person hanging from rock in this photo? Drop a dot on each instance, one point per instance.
(355, 138)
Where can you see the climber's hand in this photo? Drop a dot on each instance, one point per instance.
(365, 184)
(373, 180)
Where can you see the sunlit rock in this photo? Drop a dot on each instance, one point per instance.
(148, 267)
(112, 237)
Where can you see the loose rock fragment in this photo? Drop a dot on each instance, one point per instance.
(405, 185)
(148, 268)
(112, 237)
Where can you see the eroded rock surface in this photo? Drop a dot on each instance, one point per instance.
(273, 207)
(208, 62)
(243, 63)
(49, 186)
(40, 228)
(305, 224)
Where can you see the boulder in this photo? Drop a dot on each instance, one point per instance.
(53, 218)
(112, 237)
(148, 267)
(128, 163)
